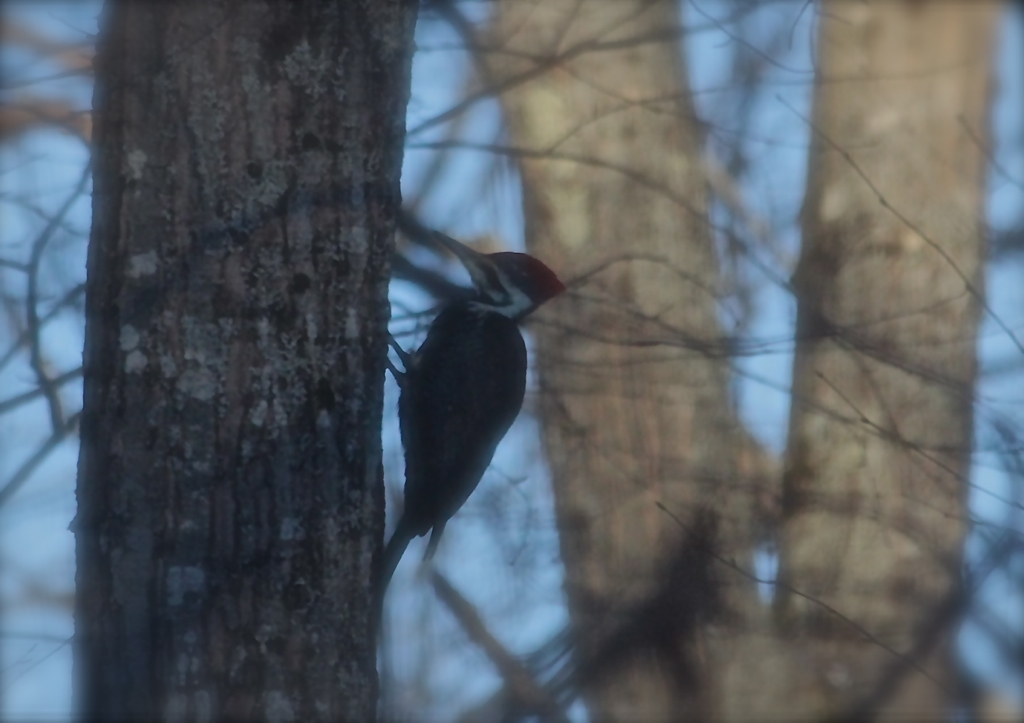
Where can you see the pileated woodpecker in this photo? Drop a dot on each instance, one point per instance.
(461, 391)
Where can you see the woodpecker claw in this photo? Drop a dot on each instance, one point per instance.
(405, 358)
(403, 355)
(435, 537)
(398, 375)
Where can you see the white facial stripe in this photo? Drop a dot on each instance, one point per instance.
(518, 301)
(516, 304)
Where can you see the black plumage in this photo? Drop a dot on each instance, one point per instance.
(462, 390)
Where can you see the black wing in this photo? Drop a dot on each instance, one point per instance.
(464, 391)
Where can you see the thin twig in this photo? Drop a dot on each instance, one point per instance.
(69, 298)
(26, 470)
(884, 202)
(8, 404)
(810, 598)
(32, 296)
(519, 680)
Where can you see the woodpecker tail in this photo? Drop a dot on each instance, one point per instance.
(435, 537)
(393, 552)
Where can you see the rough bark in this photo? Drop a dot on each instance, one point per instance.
(609, 152)
(889, 286)
(247, 161)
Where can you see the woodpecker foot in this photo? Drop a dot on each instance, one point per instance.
(403, 355)
(435, 537)
(398, 375)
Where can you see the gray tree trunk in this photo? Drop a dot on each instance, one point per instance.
(889, 291)
(247, 161)
(610, 154)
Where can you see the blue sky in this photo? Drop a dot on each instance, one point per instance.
(514, 579)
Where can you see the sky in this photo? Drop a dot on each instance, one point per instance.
(514, 580)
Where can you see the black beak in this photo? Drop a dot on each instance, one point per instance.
(474, 261)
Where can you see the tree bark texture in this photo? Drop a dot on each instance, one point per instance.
(889, 291)
(247, 162)
(634, 391)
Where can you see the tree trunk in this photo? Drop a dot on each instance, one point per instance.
(247, 161)
(610, 160)
(889, 289)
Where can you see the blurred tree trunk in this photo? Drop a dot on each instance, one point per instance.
(881, 429)
(889, 298)
(610, 158)
(247, 161)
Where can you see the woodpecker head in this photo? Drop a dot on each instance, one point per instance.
(509, 284)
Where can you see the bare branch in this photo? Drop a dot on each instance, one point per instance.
(68, 299)
(73, 56)
(24, 472)
(8, 404)
(30, 113)
(527, 692)
(32, 312)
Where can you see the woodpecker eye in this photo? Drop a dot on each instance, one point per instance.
(494, 288)
(493, 282)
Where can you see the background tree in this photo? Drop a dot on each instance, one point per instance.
(247, 161)
(636, 407)
(890, 291)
